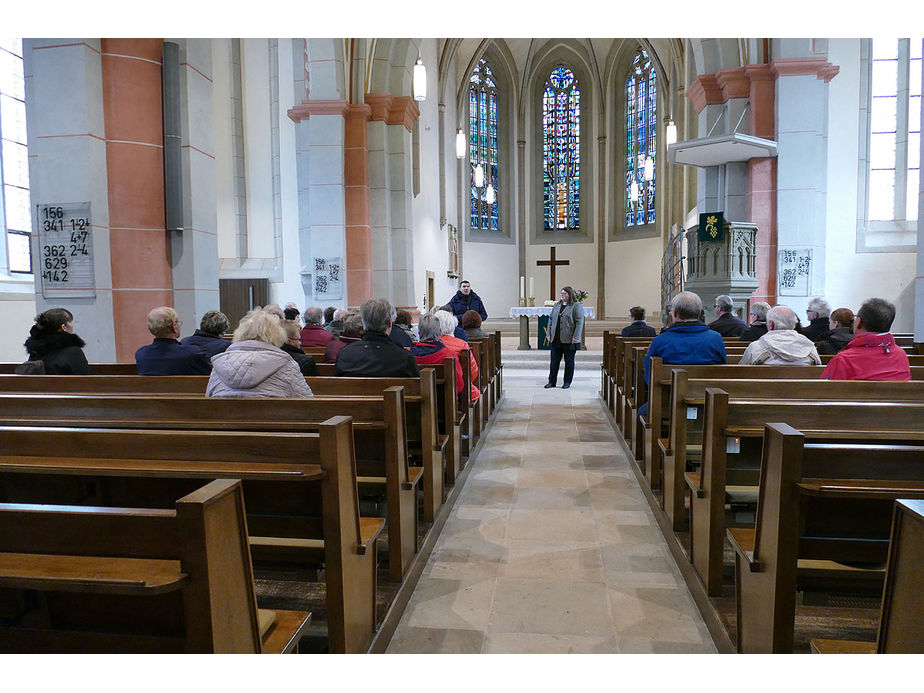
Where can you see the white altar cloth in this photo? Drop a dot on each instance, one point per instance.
(529, 311)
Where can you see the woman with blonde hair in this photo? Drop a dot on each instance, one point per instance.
(255, 365)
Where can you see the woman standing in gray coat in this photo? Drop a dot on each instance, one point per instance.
(566, 324)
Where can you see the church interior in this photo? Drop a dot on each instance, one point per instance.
(230, 173)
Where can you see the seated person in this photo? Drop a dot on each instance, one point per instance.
(459, 331)
(312, 333)
(208, 337)
(726, 323)
(872, 354)
(758, 327)
(352, 332)
(254, 365)
(471, 323)
(782, 345)
(840, 334)
(291, 346)
(399, 331)
(638, 328)
(405, 324)
(448, 324)
(53, 342)
(335, 326)
(165, 355)
(818, 313)
(292, 312)
(430, 348)
(375, 355)
(687, 340)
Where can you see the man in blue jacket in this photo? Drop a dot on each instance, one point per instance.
(466, 299)
(687, 340)
(165, 355)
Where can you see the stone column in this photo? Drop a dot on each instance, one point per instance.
(64, 109)
(356, 199)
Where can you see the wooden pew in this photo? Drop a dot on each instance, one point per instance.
(739, 423)
(901, 629)
(498, 368)
(378, 427)
(300, 492)
(110, 580)
(680, 400)
(824, 512)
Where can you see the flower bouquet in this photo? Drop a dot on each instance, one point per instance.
(580, 295)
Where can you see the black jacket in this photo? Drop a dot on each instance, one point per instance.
(305, 361)
(61, 352)
(639, 328)
(834, 341)
(728, 325)
(211, 344)
(375, 355)
(757, 330)
(817, 329)
(461, 303)
(400, 337)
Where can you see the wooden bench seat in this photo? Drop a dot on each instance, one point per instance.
(378, 427)
(93, 579)
(825, 511)
(296, 486)
(741, 421)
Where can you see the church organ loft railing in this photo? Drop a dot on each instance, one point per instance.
(672, 268)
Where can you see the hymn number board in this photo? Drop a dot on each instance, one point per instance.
(65, 250)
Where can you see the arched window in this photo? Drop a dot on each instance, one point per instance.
(641, 141)
(482, 114)
(14, 161)
(561, 150)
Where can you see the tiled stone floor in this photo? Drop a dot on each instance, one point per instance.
(550, 547)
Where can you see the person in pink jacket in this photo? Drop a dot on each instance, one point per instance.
(872, 354)
(254, 365)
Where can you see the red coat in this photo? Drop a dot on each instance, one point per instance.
(869, 356)
(315, 335)
(428, 353)
(456, 345)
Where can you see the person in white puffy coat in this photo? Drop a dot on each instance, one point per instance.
(254, 365)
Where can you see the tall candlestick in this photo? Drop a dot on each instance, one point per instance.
(531, 287)
(522, 287)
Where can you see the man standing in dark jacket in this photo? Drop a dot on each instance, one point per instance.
(165, 355)
(638, 328)
(375, 355)
(726, 324)
(466, 299)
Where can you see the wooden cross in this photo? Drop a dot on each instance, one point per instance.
(551, 263)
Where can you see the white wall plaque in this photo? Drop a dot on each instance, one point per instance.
(65, 250)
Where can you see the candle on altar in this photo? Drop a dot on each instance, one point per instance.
(522, 287)
(531, 287)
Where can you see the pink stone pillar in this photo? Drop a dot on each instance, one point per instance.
(356, 201)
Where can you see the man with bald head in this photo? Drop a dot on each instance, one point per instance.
(782, 345)
(165, 355)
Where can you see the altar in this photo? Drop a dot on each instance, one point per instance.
(525, 312)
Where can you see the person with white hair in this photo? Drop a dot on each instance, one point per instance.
(782, 345)
(758, 326)
(727, 323)
(818, 312)
(255, 365)
(312, 333)
(448, 323)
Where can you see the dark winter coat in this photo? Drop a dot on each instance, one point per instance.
(728, 325)
(817, 329)
(757, 330)
(210, 343)
(639, 328)
(61, 352)
(305, 361)
(461, 303)
(168, 357)
(376, 356)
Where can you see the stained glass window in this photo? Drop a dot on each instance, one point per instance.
(641, 140)
(561, 150)
(14, 158)
(482, 146)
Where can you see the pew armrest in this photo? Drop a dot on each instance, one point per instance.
(414, 475)
(281, 630)
(693, 483)
(742, 541)
(862, 488)
(664, 444)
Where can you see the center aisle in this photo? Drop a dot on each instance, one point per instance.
(551, 546)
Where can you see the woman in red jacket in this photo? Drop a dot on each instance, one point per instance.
(430, 350)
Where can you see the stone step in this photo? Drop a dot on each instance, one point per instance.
(539, 359)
